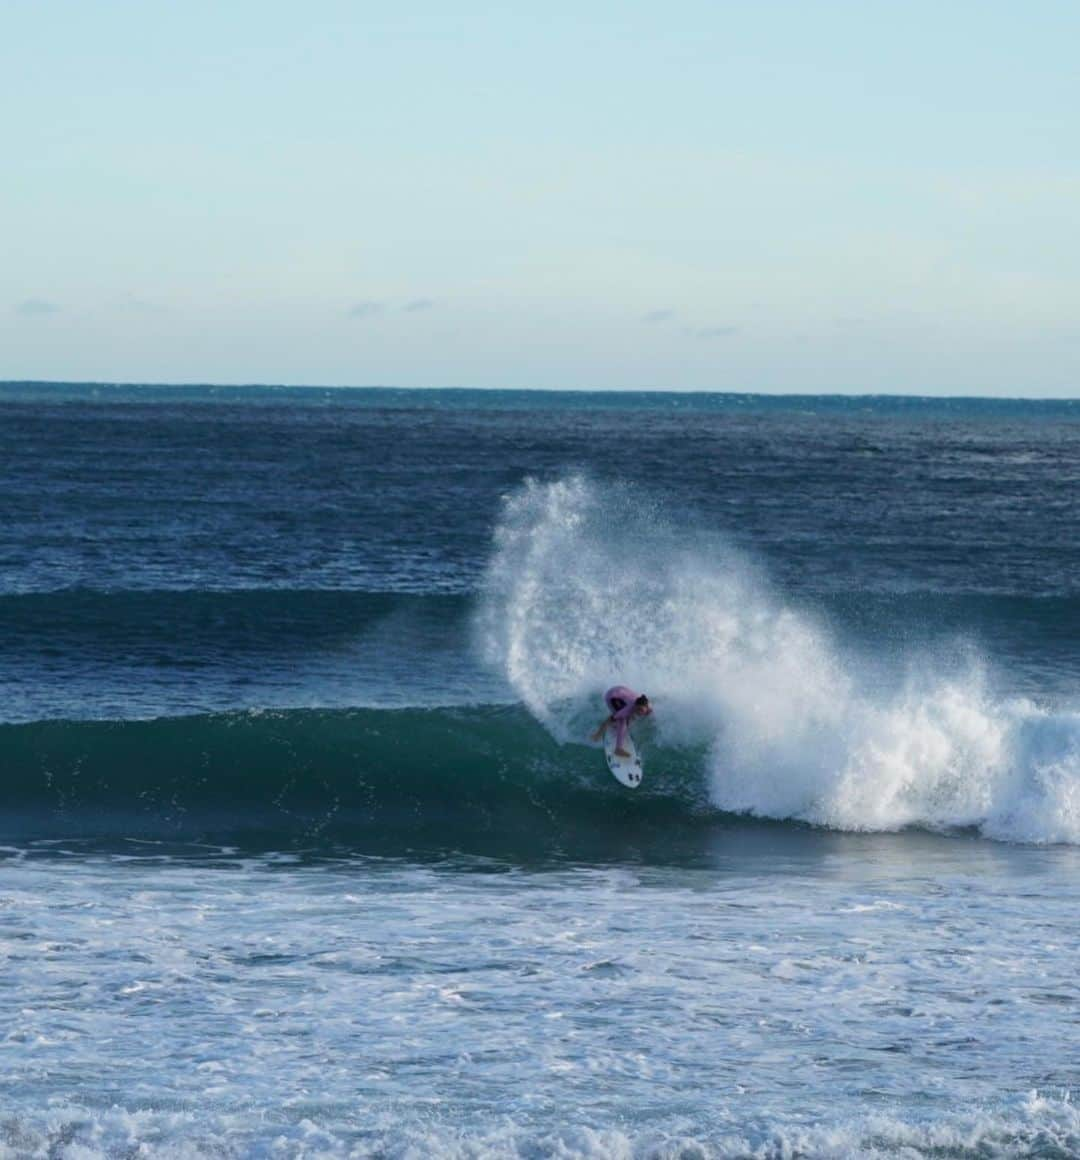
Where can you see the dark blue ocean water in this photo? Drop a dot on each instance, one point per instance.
(167, 551)
(296, 685)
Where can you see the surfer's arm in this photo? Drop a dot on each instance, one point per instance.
(601, 729)
(620, 719)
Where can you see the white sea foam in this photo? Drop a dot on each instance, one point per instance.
(814, 1003)
(590, 585)
(1031, 1125)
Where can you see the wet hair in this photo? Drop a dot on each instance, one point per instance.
(642, 700)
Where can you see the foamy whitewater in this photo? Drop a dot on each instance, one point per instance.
(795, 726)
(304, 852)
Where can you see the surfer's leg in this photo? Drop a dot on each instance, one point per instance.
(620, 737)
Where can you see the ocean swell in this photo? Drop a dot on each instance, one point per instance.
(428, 776)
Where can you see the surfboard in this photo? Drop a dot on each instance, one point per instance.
(627, 770)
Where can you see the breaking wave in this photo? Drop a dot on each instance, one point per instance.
(593, 584)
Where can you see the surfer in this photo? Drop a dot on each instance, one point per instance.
(623, 705)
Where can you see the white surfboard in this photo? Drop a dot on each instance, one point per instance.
(626, 769)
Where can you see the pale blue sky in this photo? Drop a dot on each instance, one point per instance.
(774, 196)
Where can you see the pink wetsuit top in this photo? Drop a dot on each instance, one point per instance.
(621, 716)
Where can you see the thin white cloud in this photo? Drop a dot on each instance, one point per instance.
(36, 306)
(419, 304)
(136, 305)
(366, 309)
(658, 316)
(714, 332)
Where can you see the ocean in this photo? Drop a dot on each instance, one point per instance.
(304, 851)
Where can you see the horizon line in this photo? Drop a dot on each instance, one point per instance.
(193, 386)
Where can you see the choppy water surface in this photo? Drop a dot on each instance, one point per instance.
(797, 993)
(303, 853)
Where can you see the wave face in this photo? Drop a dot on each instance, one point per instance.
(424, 777)
(590, 581)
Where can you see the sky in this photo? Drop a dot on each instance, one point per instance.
(814, 196)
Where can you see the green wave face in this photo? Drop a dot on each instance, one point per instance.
(381, 780)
